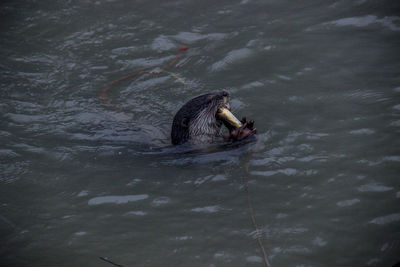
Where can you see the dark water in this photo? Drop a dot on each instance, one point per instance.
(82, 179)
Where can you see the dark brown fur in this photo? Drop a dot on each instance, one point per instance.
(196, 121)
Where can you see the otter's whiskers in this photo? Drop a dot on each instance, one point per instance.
(204, 127)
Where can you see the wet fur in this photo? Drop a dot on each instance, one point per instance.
(196, 122)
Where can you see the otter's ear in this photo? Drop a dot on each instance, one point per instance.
(185, 123)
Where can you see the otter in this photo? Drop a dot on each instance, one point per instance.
(201, 118)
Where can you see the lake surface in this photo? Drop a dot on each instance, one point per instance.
(88, 171)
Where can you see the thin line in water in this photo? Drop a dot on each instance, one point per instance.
(253, 219)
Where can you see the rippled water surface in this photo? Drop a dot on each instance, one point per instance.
(87, 171)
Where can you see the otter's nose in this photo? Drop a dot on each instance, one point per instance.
(225, 94)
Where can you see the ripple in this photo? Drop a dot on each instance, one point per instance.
(232, 57)
(284, 77)
(366, 95)
(349, 202)
(80, 233)
(214, 178)
(254, 84)
(287, 172)
(89, 117)
(294, 230)
(374, 187)
(83, 193)
(313, 158)
(386, 219)
(254, 259)
(160, 201)
(124, 51)
(391, 158)
(362, 131)
(318, 241)
(192, 37)
(207, 209)
(316, 136)
(162, 43)
(396, 107)
(262, 162)
(116, 199)
(135, 212)
(223, 256)
(12, 172)
(219, 177)
(377, 162)
(182, 238)
(388, 22)
(277, 160)
(134, 182)
(31, 149)
(355, 21)
(144, 62)
(281, 215)
(22, 118)
(8, 153)
(228, 157)
(297, 249)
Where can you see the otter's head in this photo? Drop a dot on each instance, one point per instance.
(197, 120)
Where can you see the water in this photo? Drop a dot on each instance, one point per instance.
(81, 179)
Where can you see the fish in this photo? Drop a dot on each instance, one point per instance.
(224, 114)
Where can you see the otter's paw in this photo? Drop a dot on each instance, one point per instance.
(244, 131)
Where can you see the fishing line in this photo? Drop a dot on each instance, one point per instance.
(106, 100)
(245, 179)
(111, 262)
(172, 63)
